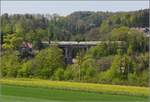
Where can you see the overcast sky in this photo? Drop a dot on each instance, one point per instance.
(67, 7)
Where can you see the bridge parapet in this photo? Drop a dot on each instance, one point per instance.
(94, 43)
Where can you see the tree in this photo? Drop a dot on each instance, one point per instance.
(12, 42)
(46, 62)
(77, 66)
(36, 38)
(119, 34)
(88, 70)
(98, 51)
(138, 41)
(119, 70)
(105, 27)
(84, 69)
(6, 25)
(130, 50)
(142, 62)
(21, 28)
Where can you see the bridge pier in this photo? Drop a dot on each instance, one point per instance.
(70, 52)
(68, 55)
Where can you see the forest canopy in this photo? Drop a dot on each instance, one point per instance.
(85, 25)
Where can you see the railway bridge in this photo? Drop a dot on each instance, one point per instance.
(70, 48)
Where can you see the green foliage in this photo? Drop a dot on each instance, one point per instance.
(130, 50)
(144, 78)
(141, 80)
(7, 29)
(98, 51)
(133, 78)
(119, 34)
(137, 41)
(142, 62)
(9, 64)
(77, 24)
(25, 70)
(59, 74)
(105, 27)
(45, 63)
(83, 70)
(88, 70)
(119, 70)
(115, 68)
(69, 73)
(102, 50)
(11, 42)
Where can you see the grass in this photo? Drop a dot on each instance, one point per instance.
(37, 90)
(12, 93)
(89, 87)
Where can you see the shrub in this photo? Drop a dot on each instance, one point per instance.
(133, 79)
(9, 64)
(59, 74)
(105, 77)
(144, 78)
(68, 74)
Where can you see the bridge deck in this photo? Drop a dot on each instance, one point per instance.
(80, 43)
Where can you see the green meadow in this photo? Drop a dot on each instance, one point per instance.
(44, 91)
(29, 94)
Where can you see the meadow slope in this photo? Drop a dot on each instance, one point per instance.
(12, 93)
(88, 87)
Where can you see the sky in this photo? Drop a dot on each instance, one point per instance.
(64, 8)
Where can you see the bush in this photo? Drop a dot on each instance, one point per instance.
(26, 70)
(105, 77)
(144, 78)
(68, 74)
(139, 79)
(9, 64)
(133, 79)
(59, 74)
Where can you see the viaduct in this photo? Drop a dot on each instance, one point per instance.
(70, 48)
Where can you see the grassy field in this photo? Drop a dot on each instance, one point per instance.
(35, 90)
(30, 94)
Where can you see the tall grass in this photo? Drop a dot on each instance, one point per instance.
(89, 87)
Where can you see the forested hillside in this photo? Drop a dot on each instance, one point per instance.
(105, 63)
(76, 26)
